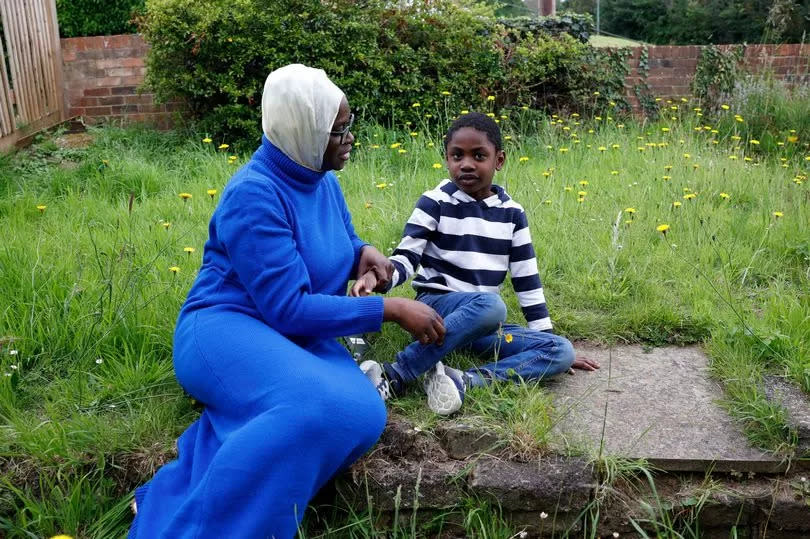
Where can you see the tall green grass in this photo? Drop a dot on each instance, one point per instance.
(88, 403)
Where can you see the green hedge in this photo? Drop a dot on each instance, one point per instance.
(216, 54)
(97, 17)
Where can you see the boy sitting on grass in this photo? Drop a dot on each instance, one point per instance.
(460, 240)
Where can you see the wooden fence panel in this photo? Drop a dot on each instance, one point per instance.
(31, 93)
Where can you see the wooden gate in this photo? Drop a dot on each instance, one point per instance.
(31, 94)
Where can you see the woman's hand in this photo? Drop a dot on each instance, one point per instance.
(373, 260)
(364, 285)
(416, 318)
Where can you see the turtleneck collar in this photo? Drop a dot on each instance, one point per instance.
(296, 176)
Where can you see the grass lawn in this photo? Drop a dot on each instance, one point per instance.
(608, 41)
(660, 233)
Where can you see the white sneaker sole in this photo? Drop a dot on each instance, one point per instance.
(442, 393)
(374, 373)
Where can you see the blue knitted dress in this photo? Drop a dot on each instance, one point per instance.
(285, 405)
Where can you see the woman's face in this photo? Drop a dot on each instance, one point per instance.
(337, 151)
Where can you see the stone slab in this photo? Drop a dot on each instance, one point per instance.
(797, 406)
(660, 405)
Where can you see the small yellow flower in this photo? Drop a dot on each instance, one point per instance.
(725, 196)
(583, 183)
(580, 199)
(568, 188)
(490, 98)
(396, 145)
(375, 146)
(402, 151)
(662, 229)
(597, 118)
(547, 201)
(437, 165)
(223, 146)
(465, 111)
(667, 167)
(736, 137)
(445, 93)
(207, 140)
(792, 138)
(686, 156)
(382, 185)
(724, 107)
(665, 178)
(596, 93)
(689, 196)
(105, 162)
(184, 196)
(174, 269)
(665, 129)
(508, 337)
(778, 214)
(582, 193)
(755, 142)
(602, 148)
(61, 536)
(563, 150)
(631, 211)
(491, 114)
(368, 205)
(732, 157)
(524, 107)
(166, 225)
(523, 159)
(430, 144)
(546, 173)
(414, 134)
(416, 105)
(676, 204)
(189, 250)
(41, 208)
(507, 137)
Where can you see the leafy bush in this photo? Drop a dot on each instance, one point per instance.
(216, 55)
(97, 17)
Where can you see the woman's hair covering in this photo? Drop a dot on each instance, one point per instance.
(299, 107)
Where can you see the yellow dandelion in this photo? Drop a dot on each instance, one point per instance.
(491, 114)
(396, 145)
(755, 142)
(663, 228)
(223, 146)
(725, 196)
(665, 178)
(401, 151)
(207, 140)
(568, 188)
(524, 107)
(614, 172)
(375, 146)
(430, 144)
(667, 167)
(689, 196)
(382, 185)
(732, 157)
(792, 138)
(583, 183)
(507, 137)
(184, 196)
(631, 211)
(174, 269)
(724, 107)
(778, 214)
(580, 199)
(686, 156)
(445, 93)
(582, 193)
(677, 204)
(523, 159)
(465, 111)
(563, 150)
(547, 201)
(602, 148)
(490, 98)
(597, 118)
(596, 93)
(414, 134)
(508, 337)
(416, 105)
(546, 173)
(166, 224)
(437, 165)
(368, 205)
(665, 129)
(189, 250)
(41, 208)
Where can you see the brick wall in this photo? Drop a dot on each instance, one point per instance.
(672, 68)
(102, 76)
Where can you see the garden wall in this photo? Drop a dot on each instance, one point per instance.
(102, 75)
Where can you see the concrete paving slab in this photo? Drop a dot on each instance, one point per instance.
(658, 404)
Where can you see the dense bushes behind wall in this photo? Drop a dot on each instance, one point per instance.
(79, 18)
(216, 54)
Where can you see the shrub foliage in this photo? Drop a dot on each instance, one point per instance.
(97, 17)
(386, 57)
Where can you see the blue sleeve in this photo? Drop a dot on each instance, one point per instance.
(357, 243)
(253, 228)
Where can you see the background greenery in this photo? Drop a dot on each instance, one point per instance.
(701, 22)
(97, 17)
(216, 56)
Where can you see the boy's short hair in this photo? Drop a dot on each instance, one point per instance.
(478, 121)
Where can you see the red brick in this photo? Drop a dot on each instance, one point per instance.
(124, 109)
(151, 108)
(97, 91)
(144, 99)
(135, 80)
(111, 100)
(87, 102)
(125, 90)
(98, 111)
(75, 111)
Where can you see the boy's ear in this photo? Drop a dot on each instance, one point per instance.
(500, 159)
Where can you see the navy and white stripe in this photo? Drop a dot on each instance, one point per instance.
(454, 243)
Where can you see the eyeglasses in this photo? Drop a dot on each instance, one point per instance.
(342, 133)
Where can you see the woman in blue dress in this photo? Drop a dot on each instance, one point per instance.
(285, 405)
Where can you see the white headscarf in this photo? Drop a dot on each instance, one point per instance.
(299, 107)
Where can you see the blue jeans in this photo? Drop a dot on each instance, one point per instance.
(475, 324)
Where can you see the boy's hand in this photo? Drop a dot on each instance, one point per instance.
(364, 285)
(373, 260)
(585, 364)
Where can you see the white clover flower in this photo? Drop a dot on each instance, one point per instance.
(13, 367)
(99, 361)
(13, 352)
(543, 515)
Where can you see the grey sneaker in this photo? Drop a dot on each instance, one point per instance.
(445, 388)
(374, 372)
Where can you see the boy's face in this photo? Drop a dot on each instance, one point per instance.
(472, 161)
